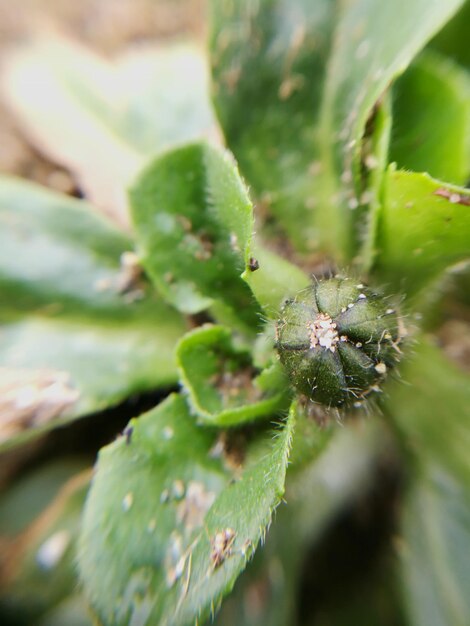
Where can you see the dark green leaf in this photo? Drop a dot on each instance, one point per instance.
(274, 62)
(172, 517)
(268, 62)
(222, 385)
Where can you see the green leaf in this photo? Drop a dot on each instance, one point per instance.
(275, 279)
(452, 39)
(38, 569)
(173, 516)
(268, 65)
(193, 220)
(222, 385)
(434, 549)
(373, 43)
(423, 139)
(100, 119)
(275, 61)
(430, 408)
(267, 591)
(59, 257)
(69, 302)
(54, 371)
(424, 229)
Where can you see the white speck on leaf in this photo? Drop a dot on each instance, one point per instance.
(53, 549)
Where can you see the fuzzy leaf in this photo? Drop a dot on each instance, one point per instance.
(424, 229)
(275, 61)
(434, 549)
(423, 139)
(100, 119)
(193, 219)
(222, 384)
(68, 303)
(166, 528)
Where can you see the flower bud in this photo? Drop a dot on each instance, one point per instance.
(337, 340)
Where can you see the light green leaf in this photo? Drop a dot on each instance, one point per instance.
(275, 61)
(100, 119)
(434, 549)
(430, 406)
(424, 229)
(424, 139)
(275, 280)
(165, 532)
(222, 384)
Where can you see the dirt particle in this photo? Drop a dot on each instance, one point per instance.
(130, 275)
(168, 433)
(234, 242)
(221, 546)
(30, 398)
(193, 508)
(363, 49)
(353, 203)
(127, 501)
(371, 162)
(175, 559)
(290, 85)
(128, 434)
(178, 489)
(381, 368)
(452, 196)
(53, 549)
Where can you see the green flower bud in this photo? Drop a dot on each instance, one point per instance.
(337, 340)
